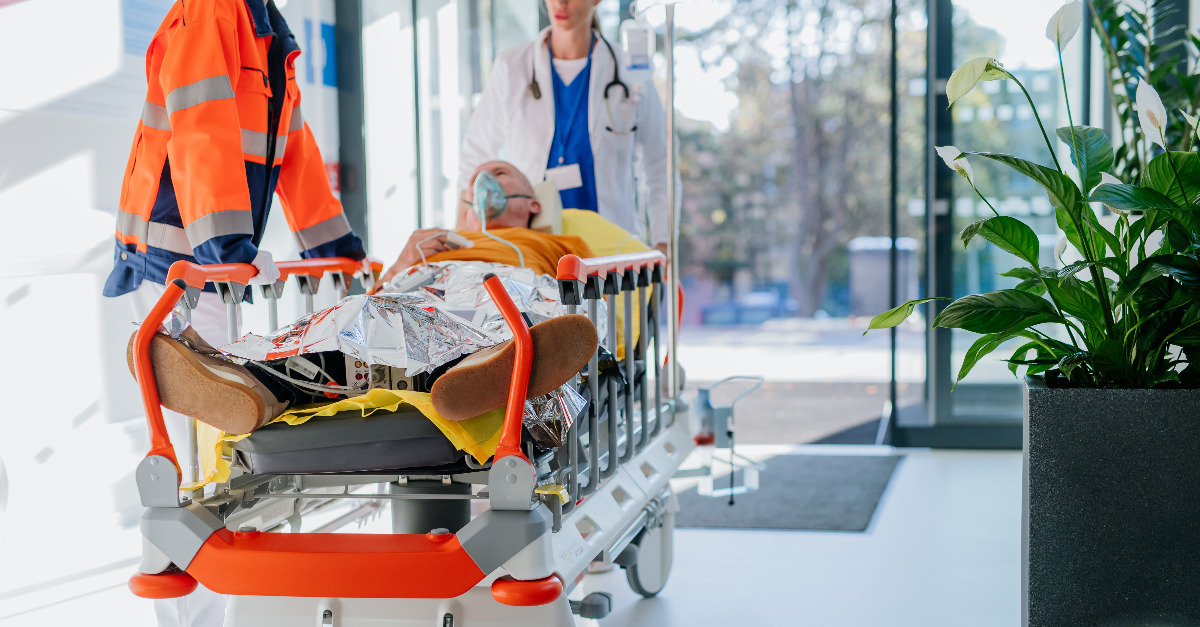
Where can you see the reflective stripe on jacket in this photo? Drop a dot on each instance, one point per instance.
(221, 130)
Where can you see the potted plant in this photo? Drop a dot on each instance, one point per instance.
(1108, 335)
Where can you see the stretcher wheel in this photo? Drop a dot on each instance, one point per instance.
(656, 544)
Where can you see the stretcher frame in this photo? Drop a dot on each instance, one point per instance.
(513, 564)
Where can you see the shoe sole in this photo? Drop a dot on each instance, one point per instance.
(186, 385)
(479, 383)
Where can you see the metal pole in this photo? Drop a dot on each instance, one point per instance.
(672, 215)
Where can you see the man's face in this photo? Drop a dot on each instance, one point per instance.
(520, 210)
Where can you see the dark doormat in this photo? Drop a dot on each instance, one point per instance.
(810, 492)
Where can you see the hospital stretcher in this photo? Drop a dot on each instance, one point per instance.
(604, 496)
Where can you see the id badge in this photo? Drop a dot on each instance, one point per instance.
(565, 176)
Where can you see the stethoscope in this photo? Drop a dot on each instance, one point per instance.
(536, 90)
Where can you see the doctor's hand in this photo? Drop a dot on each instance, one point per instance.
(268, 272)
(427, 241)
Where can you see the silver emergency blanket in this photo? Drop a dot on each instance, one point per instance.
(424, 318)
(549, 418)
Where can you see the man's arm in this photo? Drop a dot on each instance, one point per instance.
(427, 241)
(314, 215)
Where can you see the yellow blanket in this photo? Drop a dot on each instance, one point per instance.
(476, 436)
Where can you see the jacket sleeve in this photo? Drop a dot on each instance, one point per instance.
(314, 215)
(205, 148)
(651, 138)
(486, 130)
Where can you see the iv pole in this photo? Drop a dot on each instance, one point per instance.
(672, 294)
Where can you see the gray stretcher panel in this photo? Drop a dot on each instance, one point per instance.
(347, 442)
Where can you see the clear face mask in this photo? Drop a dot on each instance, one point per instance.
(489, 202)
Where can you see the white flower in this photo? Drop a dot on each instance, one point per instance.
(968, 75)
(956, 160)
(1193, 121)
(1151, 113)
(1064, 24)
(1060, 248)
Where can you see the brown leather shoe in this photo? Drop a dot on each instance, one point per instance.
(479, 383)
(210, 389)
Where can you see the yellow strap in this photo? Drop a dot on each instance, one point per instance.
(554, 488)
(478, 436)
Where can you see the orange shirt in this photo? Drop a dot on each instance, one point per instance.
(541, 250)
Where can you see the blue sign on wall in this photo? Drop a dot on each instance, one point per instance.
(328, 39)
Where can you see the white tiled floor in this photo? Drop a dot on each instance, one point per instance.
(943, 550)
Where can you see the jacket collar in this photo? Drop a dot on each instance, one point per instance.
(268, 21)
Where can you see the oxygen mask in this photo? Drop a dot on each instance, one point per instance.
(489, 200)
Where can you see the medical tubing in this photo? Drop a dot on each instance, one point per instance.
(319, 388)
(593, 407)
(514, 414)
(520, 256)
(641, 351)
(611, 402)
(627, 298)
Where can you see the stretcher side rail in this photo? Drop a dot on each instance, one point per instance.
(592, 279)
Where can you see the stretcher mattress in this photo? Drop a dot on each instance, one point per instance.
(347, 442)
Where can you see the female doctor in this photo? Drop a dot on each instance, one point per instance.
(559, 109)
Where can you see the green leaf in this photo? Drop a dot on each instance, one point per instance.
(1059, 187)
(1018, 357)
(1067, 226)
(983, 347)
(1126, 197)
(1069, 363)
(1022, 273)
(1093, 226)
(893, 317)
(1077, 299)
(993, 312)
(1009, 234)
(1183, 269)
(1160, 177)
(1095, 152)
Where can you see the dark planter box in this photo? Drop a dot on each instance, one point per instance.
(1111, 507)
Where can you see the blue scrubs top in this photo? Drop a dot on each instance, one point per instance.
(572, 142)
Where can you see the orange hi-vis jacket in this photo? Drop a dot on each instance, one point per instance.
(221, 131)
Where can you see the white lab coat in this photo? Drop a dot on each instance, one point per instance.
(510, 124)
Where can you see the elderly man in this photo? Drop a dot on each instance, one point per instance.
(237, 397)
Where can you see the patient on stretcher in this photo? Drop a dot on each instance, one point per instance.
(239, 395)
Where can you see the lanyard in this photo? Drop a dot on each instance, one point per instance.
(562, 136)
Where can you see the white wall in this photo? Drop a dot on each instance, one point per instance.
(71, 430)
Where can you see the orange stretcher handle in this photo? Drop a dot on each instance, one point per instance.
(572, 267)
(514, 413)
(184, 274)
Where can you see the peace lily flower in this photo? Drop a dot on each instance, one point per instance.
(956, 160)
(1192, 121)
(1060, 248)
(1064, 24)
(1151, 113)
(968, 75)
